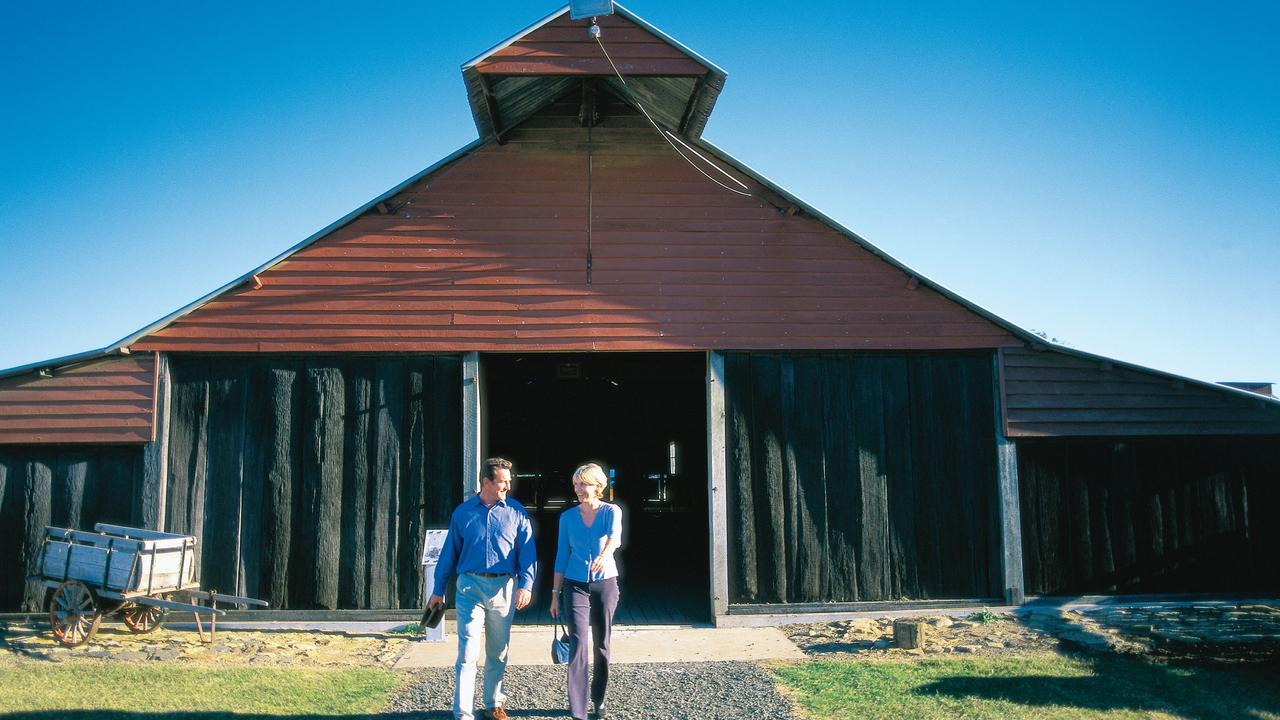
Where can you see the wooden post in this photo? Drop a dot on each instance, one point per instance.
(155, 454)
(1007, 489)
(718, 505)
(471, 428)
(909, 634)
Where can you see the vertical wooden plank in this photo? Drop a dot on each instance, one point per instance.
(876, 576)
(1008, 495)
(444, 491)
(156, 453)
(219, 543)
(843, 488)
(923, 446)
(415, 479)
(771, 523)
(115, 474)
(742, 508)
(37, 513)
(353, 585)
(12, 528)
(718, 490)
(188, 468)
(811, 579)
(257, 421)
(472, 424)
(320, 527)
(76, 501)
(900, 472)
(282, 468)
(384, 508)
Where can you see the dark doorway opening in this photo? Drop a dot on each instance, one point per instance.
(642, 416)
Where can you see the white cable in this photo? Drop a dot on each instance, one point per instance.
(664, 133)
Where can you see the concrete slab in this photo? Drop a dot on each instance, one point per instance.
(657, 644)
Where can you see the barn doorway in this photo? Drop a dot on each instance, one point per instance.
(643, 417)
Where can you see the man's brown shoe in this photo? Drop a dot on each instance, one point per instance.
(493, 714)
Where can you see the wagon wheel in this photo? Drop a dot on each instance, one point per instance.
(73, 613)
(142, 619)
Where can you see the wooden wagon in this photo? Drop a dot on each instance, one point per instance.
(141, 574)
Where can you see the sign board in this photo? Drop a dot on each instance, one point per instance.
(432, 546)
(583, 9)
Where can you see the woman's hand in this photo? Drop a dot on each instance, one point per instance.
(597, 565)
(555, 604)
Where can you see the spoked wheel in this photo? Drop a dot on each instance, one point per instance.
(73, 613)
(142, 619)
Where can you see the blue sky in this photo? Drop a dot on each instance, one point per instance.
(1108, 173)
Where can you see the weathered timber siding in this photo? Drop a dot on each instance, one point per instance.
(98, 402)
(64, 486)
(1052, 394)
(308, 482)
(861, 477)
(562, 47)
(490, 253)
(1150, 515)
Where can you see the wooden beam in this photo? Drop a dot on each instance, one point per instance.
(717, 474)
(155, 454)
(491, 107)
(471, 424)
(1013, 584)
(587, 114)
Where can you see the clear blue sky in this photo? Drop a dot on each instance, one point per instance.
(1106, 172)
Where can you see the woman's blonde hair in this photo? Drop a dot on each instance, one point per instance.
(592, 474)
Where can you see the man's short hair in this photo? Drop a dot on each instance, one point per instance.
(489, 468)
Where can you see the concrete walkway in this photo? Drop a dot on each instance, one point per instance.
(631, 644)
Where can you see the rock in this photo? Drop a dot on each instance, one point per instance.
(1085, 640)
(864, 626)
(965, 648)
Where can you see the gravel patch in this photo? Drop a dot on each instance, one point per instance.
(722, 690)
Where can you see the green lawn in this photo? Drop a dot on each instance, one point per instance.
(1031, 689)
(155, 690)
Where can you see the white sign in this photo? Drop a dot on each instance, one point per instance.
(432, 546)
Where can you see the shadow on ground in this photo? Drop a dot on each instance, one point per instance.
(1192, 690)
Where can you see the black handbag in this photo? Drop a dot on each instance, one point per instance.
(559, 644)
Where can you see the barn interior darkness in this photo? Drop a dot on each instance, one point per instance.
(641, 416)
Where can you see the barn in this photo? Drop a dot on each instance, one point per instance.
(795, 421)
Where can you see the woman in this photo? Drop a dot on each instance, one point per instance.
(586, 582)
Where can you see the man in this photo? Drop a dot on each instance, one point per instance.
(490, 549)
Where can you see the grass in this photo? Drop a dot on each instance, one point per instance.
(985, 616)
(120, 690)
(1108, 687)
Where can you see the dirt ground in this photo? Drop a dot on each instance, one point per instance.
(230, 647)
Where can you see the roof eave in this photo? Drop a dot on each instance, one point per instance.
(1025, 335)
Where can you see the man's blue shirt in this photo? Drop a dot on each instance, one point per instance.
(496, 539)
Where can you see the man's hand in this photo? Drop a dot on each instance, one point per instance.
(523, 597)
(435, 601)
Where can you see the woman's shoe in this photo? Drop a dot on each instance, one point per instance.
(599, 712)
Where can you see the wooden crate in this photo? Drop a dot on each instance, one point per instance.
(129, 561)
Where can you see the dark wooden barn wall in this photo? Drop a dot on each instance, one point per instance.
(861, 477)
(490, 253)
(64, 486)
(308, 482)
(1053, 394)
(99, 402)
(1150, 515)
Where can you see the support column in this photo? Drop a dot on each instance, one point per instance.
(155, 454)
(471, 426)
(1007, 489)
(717, 475)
